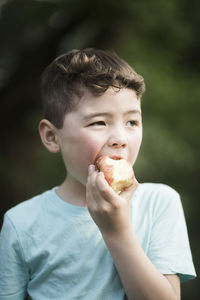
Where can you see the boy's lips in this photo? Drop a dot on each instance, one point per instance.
(111, 156)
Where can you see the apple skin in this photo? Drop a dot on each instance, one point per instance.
(118, 172)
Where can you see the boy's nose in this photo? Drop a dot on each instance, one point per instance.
(117, 145)
(117, 141)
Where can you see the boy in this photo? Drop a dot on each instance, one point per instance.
(81, 240)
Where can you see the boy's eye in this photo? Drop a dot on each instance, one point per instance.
(131, 123)
(98, 123)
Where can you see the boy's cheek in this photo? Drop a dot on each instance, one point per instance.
(92, 151)
(135, 151)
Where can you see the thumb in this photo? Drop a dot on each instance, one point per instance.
(129, 191)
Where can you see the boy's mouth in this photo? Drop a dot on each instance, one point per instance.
(115, 157)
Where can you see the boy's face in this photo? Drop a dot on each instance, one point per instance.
(110, 124)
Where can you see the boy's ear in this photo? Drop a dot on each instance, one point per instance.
(48, 136)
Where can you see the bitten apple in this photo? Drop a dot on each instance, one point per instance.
(118, 172)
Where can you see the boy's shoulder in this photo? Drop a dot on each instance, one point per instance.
(157, 195)
(28, 211)
(157, 189)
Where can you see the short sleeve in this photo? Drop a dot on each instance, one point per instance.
(169, 248)
(13, 271)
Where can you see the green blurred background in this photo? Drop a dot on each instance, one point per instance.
(160, 39)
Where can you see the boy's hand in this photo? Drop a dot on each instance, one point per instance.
(110, 211)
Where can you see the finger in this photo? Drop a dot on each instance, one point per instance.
(91, 169)
(129, 191)
(91, 182)
(91, 175)
(104, 189)
(96, 183)
(94, 197)
(102, 184)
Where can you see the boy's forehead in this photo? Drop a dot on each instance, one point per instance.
(88, 96)
(127, 99)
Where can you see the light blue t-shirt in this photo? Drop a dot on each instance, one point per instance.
(51, 249)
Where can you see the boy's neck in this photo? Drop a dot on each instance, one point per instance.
(72, 192)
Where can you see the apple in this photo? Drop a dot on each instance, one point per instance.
(118, 172)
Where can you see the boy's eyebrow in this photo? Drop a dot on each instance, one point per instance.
(93, 115)
(134, 111)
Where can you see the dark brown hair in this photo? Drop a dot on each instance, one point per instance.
(64, 80)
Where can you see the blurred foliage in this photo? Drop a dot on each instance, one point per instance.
(160, 39)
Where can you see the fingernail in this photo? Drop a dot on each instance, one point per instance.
(90, 169)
